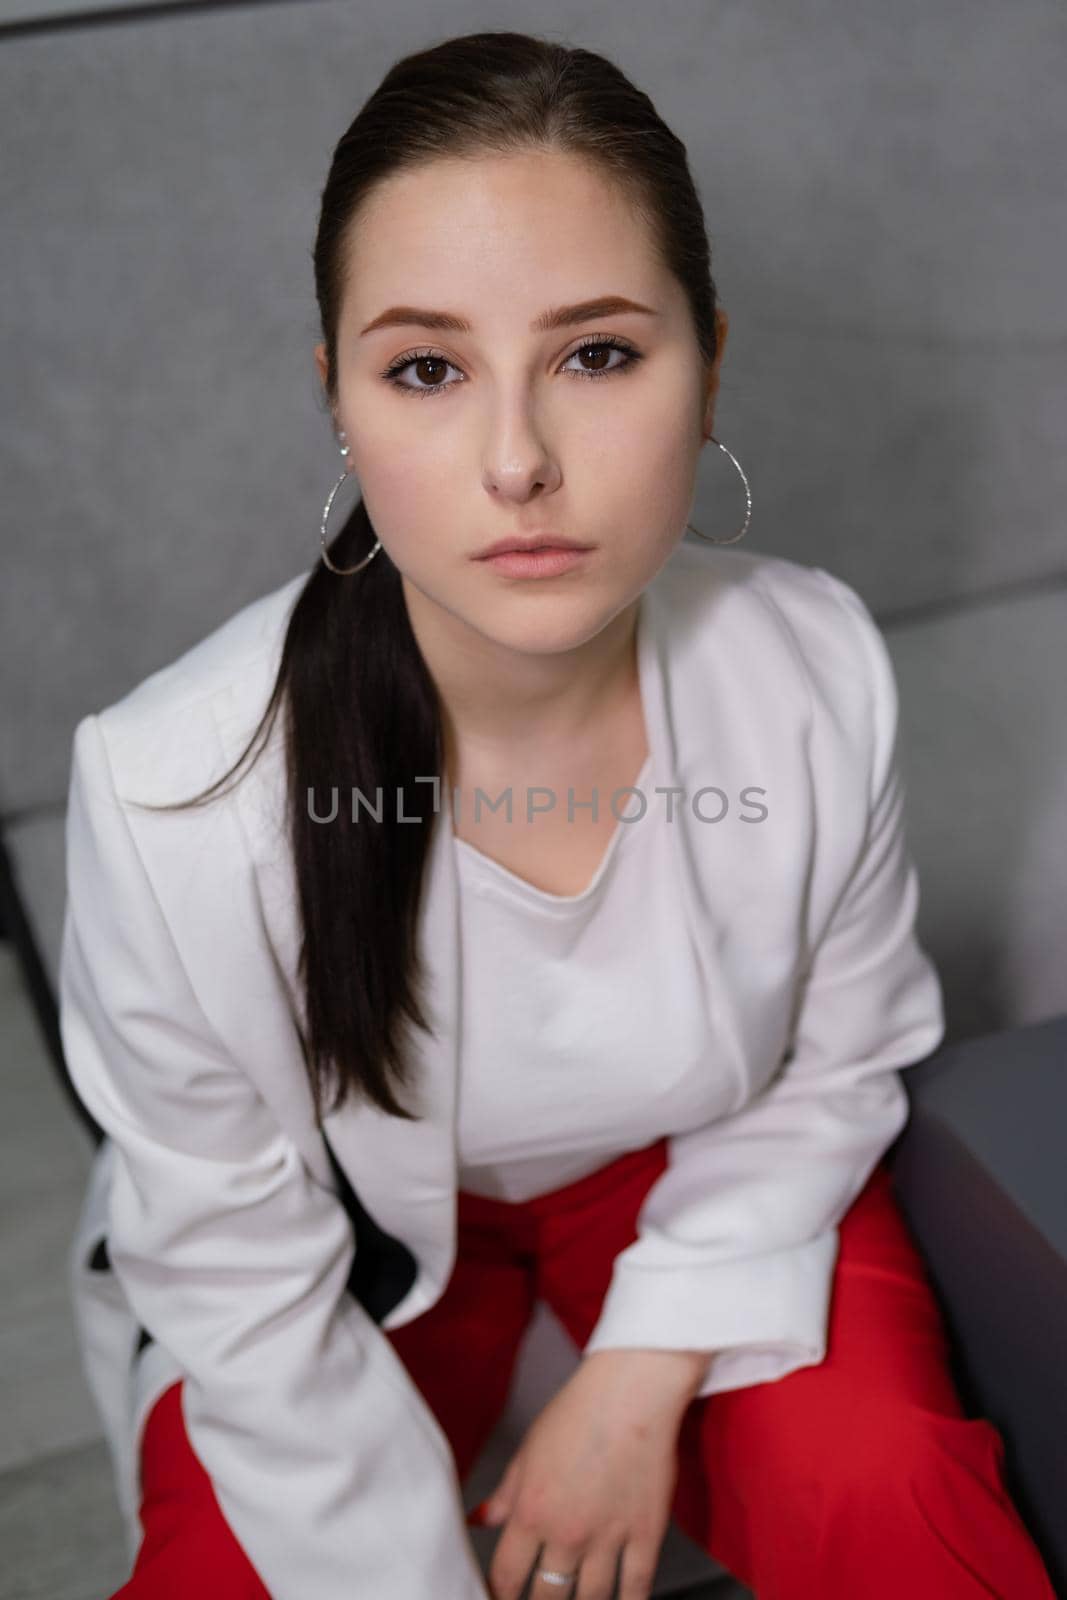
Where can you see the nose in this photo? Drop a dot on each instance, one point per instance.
(518, 461)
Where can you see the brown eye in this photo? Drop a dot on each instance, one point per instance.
(599, 352)
(602, 352)
(427, 366)
(423, 365)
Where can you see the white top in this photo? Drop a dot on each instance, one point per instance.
(584, 1028)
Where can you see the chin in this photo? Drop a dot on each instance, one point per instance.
(545, 625)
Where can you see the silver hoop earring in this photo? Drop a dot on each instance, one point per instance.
(748, 497)
(342, 572)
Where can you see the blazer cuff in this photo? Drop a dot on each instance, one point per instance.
(759, 1318)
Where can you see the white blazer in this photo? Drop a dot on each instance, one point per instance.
(223, 1220)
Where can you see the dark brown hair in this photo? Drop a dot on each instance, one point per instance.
(359, 699)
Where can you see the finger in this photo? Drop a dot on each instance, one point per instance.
(515, 1553)
(504, 1493)
(561, 1561)
(596, 1575)
(637, 1571)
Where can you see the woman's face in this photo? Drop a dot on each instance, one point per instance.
(498, 428)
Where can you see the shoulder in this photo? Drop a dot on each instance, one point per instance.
(801, 631)
(162, 737)
(811, 608)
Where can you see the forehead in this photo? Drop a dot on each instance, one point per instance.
(523, 231)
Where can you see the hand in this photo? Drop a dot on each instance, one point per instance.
(590, 1489)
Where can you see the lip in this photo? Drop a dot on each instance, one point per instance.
(548, 562)
(531, 542)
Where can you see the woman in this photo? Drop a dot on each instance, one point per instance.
(646, 1073)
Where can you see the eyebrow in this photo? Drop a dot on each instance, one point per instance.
(561, 317)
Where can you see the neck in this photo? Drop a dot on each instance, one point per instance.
(496, 699)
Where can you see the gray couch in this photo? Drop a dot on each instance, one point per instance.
(884, 193)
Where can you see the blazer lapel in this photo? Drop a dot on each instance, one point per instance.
(716, 694)
(666, 652)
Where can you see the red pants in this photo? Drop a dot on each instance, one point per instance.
(861, 1476)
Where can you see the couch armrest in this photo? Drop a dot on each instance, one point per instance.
(980, 1172)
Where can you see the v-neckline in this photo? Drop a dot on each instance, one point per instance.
(544, 898)
(531, 891)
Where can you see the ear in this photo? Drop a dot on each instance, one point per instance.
(320, 362)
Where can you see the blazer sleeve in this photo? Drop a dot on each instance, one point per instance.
(737, 1240)
(326, 1461)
